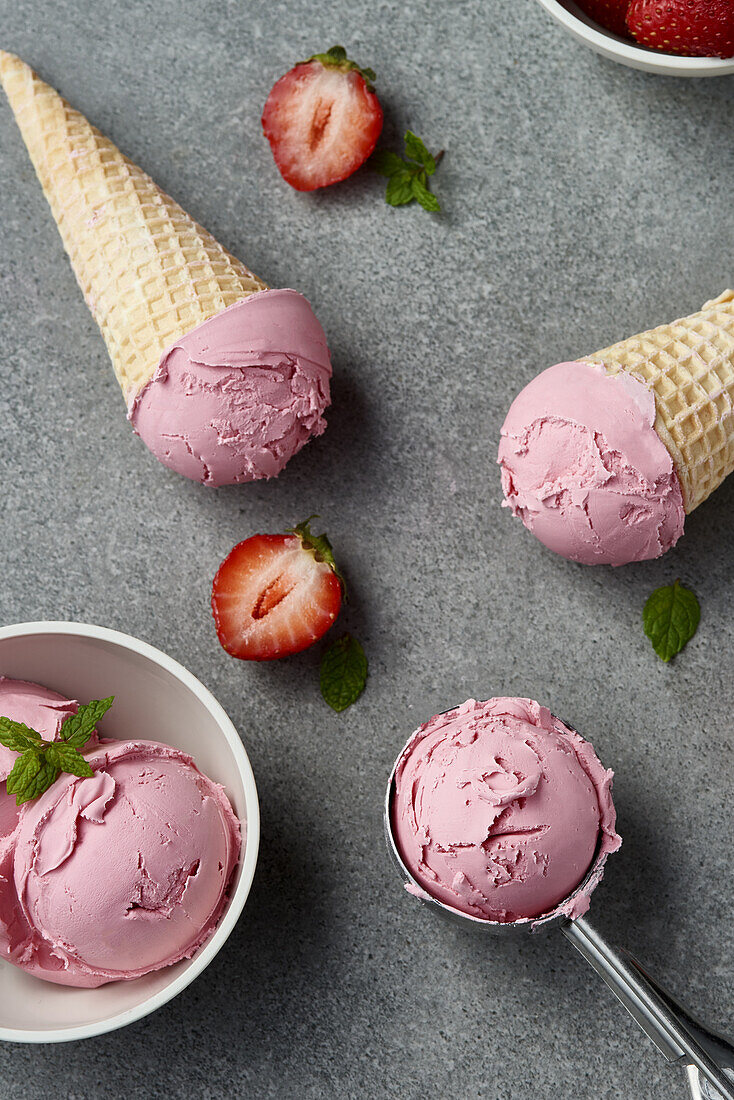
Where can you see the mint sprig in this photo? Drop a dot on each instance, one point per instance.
(343, 673)
(336, 58)
(670, 618)
(41, 762)
(407, 177)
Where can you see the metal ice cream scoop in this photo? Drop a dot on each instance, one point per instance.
(708, 1059)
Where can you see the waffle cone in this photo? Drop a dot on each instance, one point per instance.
(689, 366)
(149, 272)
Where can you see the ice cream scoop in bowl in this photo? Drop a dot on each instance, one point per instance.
(489, 816)
(162, 716)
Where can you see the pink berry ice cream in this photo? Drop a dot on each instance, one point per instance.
(44, 711)
(224, 380)
(585, 470)
(111, 877)
(234, 399)
(500, 811)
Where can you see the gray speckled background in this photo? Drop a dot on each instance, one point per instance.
(583, 202)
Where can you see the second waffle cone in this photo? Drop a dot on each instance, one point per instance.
(689, 366)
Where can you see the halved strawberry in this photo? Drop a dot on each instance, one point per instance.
(322, 120)
(274, 595)
(696, 28)
(609, 13)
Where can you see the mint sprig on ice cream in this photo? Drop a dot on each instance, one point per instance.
(41, 762)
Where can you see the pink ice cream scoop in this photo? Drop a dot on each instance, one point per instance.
(44, 711)
(35, 706)
(500, 811)
(234, 399)
(585, 470)
(502, 817)
(123, 873)
(110, 877)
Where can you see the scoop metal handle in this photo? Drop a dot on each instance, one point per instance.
(674, 1032)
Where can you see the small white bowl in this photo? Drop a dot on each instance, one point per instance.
(582, 27)
(155, 697)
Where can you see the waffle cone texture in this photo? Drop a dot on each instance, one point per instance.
(149, 273)
(689, 366)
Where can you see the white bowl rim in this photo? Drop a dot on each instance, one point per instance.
(237, 901)
(610, 44)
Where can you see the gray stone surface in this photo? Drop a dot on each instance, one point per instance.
(583, 202)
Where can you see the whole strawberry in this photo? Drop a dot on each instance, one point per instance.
(608, 13)
(696, 28)
(322, 120)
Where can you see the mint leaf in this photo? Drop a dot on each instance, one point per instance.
(68, 759)
(17, 736)
(670, 618)
(343, 673)
(47, 774)
(24, 770)
(416, 150)
(32, 774)
(78, 728)
(428, 201)
(386, 163)
(399, 189)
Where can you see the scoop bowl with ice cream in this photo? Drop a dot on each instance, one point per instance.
(224, 379)
(499, 816)
(150, 847)
(603, 458)
(120, 873)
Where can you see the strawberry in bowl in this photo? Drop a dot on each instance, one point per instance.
(322, 120)
(275, 595)
(690, 28)
(695, 28)
(610, 14)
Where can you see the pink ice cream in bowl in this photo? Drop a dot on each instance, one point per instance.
(119, 885)
(499, 816)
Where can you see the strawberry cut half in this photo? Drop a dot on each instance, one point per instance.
(275, 595)
(322, 120)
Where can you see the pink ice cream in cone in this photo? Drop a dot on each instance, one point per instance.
(224, 379)
(603, 458)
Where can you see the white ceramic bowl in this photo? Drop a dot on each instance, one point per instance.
(155, 697)
(582, 27)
